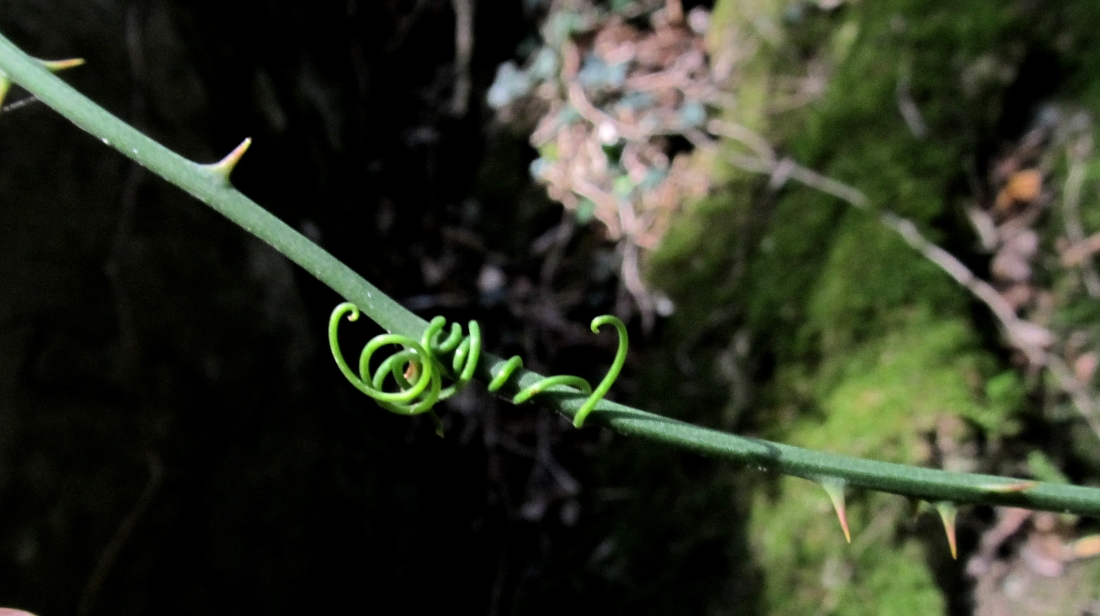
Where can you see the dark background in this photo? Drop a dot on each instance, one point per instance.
(175, 439)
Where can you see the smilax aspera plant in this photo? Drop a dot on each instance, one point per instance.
(428, 369)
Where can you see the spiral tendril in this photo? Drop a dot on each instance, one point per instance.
(418, 371)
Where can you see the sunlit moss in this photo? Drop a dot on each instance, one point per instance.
(809, 569)
(874, 346)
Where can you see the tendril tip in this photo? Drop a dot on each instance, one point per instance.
(418, 368)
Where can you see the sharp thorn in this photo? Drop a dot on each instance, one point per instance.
(1009, 488)
(914, 507)
(225, 166)
(436, 422)
(57, 65)
(1085, 547)
(948, 511)
(835, 489)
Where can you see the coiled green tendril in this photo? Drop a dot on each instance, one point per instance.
(418, 370)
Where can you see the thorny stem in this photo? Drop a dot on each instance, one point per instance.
(210, 185)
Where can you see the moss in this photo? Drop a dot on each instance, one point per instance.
(880, 399)
(877, 401)
(873, 346)
(811, 570)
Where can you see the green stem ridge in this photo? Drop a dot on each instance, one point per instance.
(210, 187)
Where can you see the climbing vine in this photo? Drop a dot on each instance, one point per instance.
(419, 369)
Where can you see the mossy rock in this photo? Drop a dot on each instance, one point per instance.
(810, 569)
(861, 345)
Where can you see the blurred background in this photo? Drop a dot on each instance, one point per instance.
(775, 194)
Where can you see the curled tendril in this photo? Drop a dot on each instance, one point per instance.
(612, 373)
(418, 371)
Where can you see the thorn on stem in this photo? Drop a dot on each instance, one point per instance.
(1009, 488)
(948, 511)
(225, 166)
(835, 489)
(58, 65)
(914, 507)
(437, 423)
(1085, 547)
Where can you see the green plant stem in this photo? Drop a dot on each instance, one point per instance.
(213, 188)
